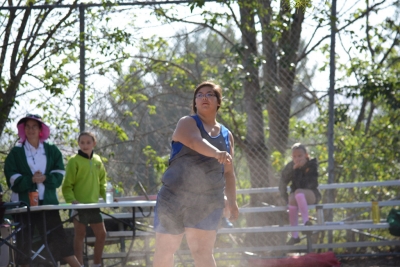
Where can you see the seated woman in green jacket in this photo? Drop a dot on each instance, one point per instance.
(36, 166)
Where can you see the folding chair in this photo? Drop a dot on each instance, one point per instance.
(5, 231)
(8, 232)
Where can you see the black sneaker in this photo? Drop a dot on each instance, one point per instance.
(307, 223)
(293, 241)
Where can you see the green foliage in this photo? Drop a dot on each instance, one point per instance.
(45, 66)
(376, 88)
(112, 127)
(298, 4)
(159, 163)
(277, 160)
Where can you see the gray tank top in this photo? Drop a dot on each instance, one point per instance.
(192, 174)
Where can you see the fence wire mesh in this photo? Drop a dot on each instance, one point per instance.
(269, 104)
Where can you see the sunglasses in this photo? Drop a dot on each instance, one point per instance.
(33, 116)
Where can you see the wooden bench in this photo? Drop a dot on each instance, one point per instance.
(275, 189)
(116, 235)
(327, 226)
(348, 205)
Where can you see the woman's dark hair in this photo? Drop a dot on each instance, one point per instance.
(216, 89)
(299, 146)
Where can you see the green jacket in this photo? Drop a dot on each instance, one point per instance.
(85, 179)
(16, 163)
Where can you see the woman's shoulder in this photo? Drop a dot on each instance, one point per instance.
(17, 149)
(223, 127)
(50, 145)
(188, 121)
(17, 146)
(313, 162)
(288, 167)
(188, 118)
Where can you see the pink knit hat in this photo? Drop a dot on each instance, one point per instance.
(44, 133)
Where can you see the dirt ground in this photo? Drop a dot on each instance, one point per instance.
(381, 261)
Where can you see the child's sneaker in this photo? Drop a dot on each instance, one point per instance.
(293, 240)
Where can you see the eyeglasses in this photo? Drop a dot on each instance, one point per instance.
(33, 127)
(207, 95)
(33, 116)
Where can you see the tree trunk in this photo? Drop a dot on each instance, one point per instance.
(6, 103)
(279, 76)
(255, 146)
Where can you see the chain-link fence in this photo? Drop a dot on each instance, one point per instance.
(265, 95)
(269, 104)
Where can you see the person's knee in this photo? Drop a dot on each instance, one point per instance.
(100, 235)
(202, 247)
(201, 251)
(292, 200)
(165, 250)
(80, 235)
(307, 194)
(298, 191)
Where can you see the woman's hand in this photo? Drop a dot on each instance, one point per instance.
(234, 211)
(299, 163)
(231, 210)
(223, 157)
(38, 177)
